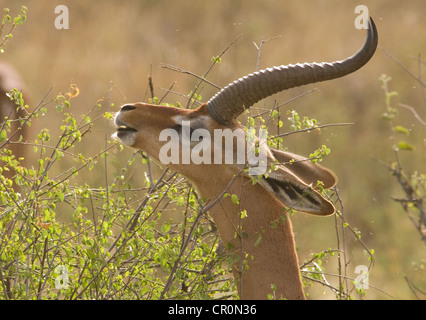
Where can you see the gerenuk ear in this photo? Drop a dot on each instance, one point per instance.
(295, 194)
(308, 172)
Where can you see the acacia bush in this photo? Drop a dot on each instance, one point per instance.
(118, 244)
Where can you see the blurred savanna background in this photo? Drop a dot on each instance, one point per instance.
(111, 47)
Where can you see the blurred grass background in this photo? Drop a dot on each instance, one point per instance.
(122, 41)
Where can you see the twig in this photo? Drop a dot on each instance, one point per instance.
(414, 112)
(182, 250)
(178, 69)
(211, 67)
(286, 102)
(203, 77)
(338, 275)
(209, 206)
(414, 289)
(311, 128)
(107, 134)
(342, 226)
(131, 224)
(167, 91)
(150, 84)
(27, 118)
(259, 49)
(41, 268)
(404, 67)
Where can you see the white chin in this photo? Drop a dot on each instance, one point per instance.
(128, 139)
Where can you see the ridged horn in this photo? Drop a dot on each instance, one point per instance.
(241, 94)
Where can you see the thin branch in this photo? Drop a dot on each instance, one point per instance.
(342, 226)
(212, 65)
(338, 275)
(203, 77)
(414, 112)
(259, 48)
(209, 206)
(150, 84)
(414, 289)
(284, 103)
(311, 128)
(315, 257)
(178, 69)
(167, 92)
(420, 81)
(27, 119)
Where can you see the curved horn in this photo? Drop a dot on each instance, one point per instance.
(244, 92)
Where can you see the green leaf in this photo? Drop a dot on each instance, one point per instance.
(234, 199)
(274, 113)
(402, 145)
(259, 238)
(251, 122)
(165, 228)
(90, 253)
(403, 130)
(61, 196)
(216, 59)
(229, 246)
(3, 135)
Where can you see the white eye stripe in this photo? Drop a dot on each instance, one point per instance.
(198, 122)
(178, 119)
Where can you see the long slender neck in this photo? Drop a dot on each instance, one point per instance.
(262, 240)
